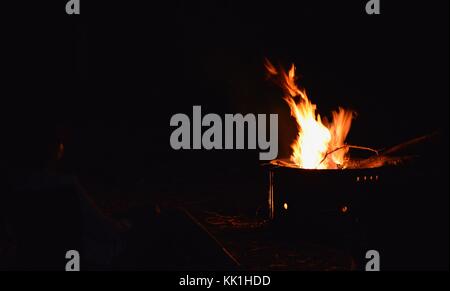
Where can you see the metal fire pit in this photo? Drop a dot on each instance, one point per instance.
(299, 193)
(337, 200)
(324, 202)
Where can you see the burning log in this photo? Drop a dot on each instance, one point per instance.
(381, 158)
(347, 147)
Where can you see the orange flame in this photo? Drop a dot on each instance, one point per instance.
(316, 142)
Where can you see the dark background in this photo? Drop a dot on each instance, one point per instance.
(111, 78)
(116, 73)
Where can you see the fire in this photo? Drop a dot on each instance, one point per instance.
(319, 145)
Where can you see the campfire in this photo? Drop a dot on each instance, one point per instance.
(332, 183)
(321, 144)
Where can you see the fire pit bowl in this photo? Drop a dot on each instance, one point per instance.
(333, 200)
(302, 193)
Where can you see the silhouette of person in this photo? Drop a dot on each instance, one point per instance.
(47, 210)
